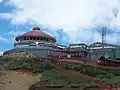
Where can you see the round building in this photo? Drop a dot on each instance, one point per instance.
(36, 42)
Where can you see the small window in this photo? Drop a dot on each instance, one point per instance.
(30, 38)
(41, 38)
(21, 51)
(34, 38)
(37, 38)
(97, 44)
(27, 38)
(44, 38)
(51, 40)
(21, 39)
(24, 38)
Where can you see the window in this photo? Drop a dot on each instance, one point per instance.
(37, 38)
(34, 38)
(97, 44)
(109, 47)
(24, 38)
(80, 46)
(95, 47)
(21, 51)
(84, 46)
(75, 46)
(30, 38)
(47, 39)
(27, 38)
(51, 40)
(44, 38)
(21, 39)
(32, 45)
(41, 38)
(87, 47)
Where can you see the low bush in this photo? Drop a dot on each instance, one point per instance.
(26, 63)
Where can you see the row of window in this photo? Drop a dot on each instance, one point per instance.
(102, 47)
(76, 46)
(36, 38)
(43, 45)
(91, 47)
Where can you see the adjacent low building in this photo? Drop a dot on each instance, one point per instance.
(96, 50)
(99, 49)
(79, 49)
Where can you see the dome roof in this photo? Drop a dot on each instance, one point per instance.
(35, 33)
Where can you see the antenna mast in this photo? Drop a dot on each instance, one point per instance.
(103, 34)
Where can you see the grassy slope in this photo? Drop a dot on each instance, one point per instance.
(52, 76)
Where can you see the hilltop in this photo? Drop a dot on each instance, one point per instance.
(51, 77)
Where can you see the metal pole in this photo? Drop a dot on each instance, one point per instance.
(103, 34)
(103, 37)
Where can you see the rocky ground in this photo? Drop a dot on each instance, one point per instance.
(3, 79)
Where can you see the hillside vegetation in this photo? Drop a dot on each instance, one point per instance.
(51, 77)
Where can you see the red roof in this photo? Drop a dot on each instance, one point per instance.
(35, 33)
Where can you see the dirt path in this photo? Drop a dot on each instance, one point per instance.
(20, 80)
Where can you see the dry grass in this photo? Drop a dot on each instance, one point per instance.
(19, 80)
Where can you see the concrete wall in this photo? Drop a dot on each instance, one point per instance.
(117, 53)
(41, 52)
(96, 54)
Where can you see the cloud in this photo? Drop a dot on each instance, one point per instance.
(3, 39)
(9, 37)
(75, 17)
(6, 15)
(15, 33)
(1, 1)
